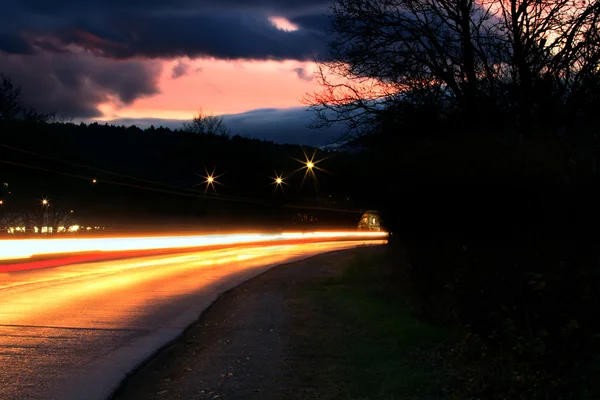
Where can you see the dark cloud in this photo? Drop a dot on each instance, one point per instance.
(179, 70)
(63, 52)
(220, 35)
(287, 7)
(284, 125)
(303, 74)
(228, 29)
(14, 43)
(319, 22)
(74, 85)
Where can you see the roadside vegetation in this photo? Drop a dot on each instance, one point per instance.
(481, 121)
(362, 341)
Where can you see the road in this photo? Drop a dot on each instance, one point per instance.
(75, 331)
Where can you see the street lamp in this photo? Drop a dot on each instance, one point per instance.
(310, 165)
(44, 202)
(278, 181)
(210, 179)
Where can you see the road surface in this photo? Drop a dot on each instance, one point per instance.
(75, 331)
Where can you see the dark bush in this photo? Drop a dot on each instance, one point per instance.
(500, 239)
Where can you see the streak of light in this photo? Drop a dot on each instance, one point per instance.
(48, 293)
(26, 248)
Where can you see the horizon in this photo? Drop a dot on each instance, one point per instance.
(263, 124)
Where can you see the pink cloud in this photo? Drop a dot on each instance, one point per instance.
(284, 24)
(220, 87)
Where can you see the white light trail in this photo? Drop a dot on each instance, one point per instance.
(26, 248)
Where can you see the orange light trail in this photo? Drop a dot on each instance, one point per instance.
(26, 248)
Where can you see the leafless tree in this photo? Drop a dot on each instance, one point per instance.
(63, 119)
(10, 99)
(551, 44)
(12, 108)
(58, 218)
(467, 56)
(207, 124)
(31, 115)
(40, 218)
(7, 219)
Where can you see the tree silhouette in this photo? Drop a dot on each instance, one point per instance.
(468, 57)
(12, 108)
(10, 99)
(207, 125)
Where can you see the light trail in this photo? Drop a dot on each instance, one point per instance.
(75, 331)
(14, 249)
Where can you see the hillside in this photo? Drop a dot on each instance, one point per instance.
(117, 175)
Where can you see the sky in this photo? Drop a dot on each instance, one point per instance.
(158, 61)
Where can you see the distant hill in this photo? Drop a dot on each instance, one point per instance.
(279, 125)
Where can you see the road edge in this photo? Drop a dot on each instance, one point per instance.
(95, 379)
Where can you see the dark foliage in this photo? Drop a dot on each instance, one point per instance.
(154, 175)
(501, 240)
(483, 116)
(11, 107)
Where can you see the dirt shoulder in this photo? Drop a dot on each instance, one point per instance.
(286, 334)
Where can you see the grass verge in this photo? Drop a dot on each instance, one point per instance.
(359, 339)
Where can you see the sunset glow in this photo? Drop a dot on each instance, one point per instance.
(283, 24)
(220, 87)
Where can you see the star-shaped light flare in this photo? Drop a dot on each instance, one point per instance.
(210, 179)
(310, 165)
(278, 181)
(45, 202)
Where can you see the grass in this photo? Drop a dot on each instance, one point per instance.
(364, 341)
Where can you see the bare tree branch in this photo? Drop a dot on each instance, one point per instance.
(10, 99)
(207, 125)
(472, 57)
(12, 109)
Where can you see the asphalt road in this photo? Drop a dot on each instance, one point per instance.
(75, 331)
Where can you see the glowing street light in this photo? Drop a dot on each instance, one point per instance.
(45, 203)
(310, 165)
(278, 181)
(209, 180)
(94, 181)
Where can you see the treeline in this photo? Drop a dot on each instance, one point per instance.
(498, 238)
(484, 118)
(115, 175)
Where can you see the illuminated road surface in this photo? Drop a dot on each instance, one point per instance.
(73, 332)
